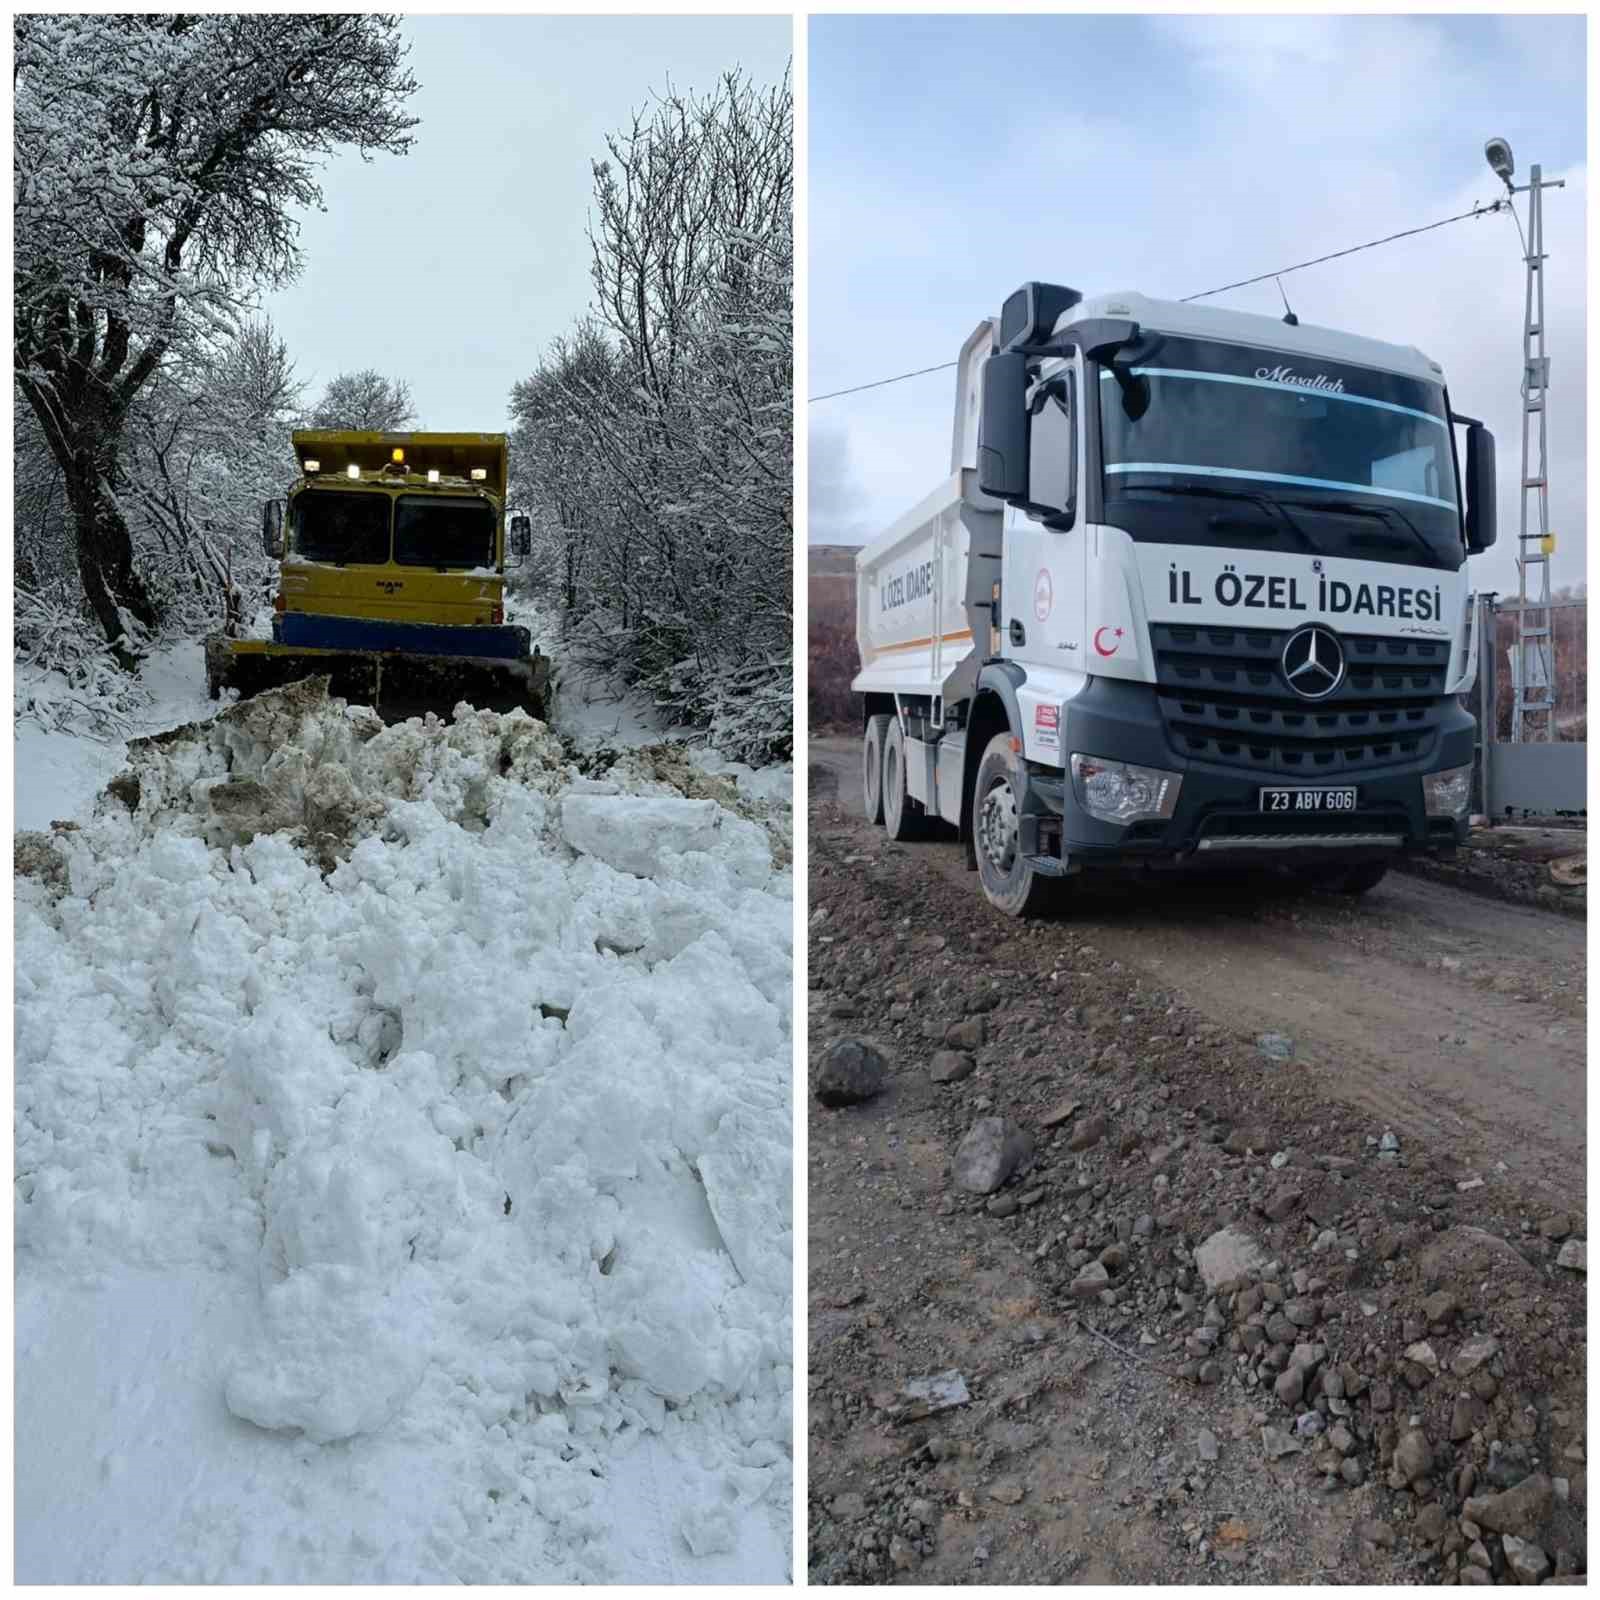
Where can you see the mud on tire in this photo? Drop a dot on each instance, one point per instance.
(872, 741)
(903, 817)
(1009, 883)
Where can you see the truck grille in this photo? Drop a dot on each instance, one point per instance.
(1224, 700)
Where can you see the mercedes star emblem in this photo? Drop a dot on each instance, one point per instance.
(1313, 663)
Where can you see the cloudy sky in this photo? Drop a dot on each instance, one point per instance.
(453, 267)
(953, 158)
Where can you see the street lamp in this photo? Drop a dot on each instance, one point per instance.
(1498, 154)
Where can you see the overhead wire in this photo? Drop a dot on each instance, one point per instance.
(1371, 244)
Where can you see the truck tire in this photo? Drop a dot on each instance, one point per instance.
(1009, 883)
(872, 765)
(903, 817)
(1358, 880)
(1347, 880)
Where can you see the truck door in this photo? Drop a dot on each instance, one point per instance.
(1043, 565)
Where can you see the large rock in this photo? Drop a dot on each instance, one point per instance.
(1275, 1443)
(853, 1070)
(1518, 1510)
(1088, 1284)
(1471, 1256)
(1574, 1254)
(951, 1066)
(1228, 1254)
(966, 1035)
(1480, 1348)
(992, 1152)
(1088, 1133)
(1527, 1561)
(1413, 1456)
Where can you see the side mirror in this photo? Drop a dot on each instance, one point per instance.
(1480, 524)
(1003, 427)
(272, 541)
(521, 534)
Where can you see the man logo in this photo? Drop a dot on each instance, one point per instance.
(1313, 663)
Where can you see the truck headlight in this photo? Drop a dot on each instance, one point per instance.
(1447, 793)
(1114, 791)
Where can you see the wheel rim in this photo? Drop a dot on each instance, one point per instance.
(891, 787)
(872, 761)
(997, 828)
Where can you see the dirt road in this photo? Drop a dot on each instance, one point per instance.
(1411, 1178)
(1430, 1008)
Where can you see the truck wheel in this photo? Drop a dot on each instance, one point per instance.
(1008, 881)
(1358, 880)
(872, 765)
(903, 817)
(1347, 880)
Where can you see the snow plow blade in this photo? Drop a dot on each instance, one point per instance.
(396, 684)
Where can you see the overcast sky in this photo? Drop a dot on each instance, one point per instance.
(952, 158)
(453, 267)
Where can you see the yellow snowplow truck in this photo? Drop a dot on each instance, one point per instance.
(393, 553)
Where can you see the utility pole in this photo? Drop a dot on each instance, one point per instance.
(1533, 712)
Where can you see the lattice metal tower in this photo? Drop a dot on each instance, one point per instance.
(1533, 714)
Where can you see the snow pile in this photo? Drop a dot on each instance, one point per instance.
(452, 1089)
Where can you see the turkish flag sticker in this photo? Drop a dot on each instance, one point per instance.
(1107, 641)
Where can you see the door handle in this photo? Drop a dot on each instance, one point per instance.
(1019, 634)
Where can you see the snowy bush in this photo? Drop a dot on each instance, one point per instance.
(66, 676)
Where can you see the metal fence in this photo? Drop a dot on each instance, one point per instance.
(1539, 776)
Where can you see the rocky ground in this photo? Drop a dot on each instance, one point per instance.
(1542, 866)
(1188, 1314)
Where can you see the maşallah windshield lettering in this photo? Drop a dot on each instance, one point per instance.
(1273, 424)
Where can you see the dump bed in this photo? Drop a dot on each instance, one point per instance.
(923, 587)
(911, 621)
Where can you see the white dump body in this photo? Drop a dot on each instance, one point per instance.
(911, 617)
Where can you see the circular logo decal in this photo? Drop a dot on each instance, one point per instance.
(1043, 595)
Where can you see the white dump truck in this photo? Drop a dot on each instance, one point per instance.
(1193, 595)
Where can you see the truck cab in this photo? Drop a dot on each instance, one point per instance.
(388, 538)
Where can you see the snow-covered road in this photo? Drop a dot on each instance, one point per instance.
(403, 1163)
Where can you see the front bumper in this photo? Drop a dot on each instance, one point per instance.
(1217, 820)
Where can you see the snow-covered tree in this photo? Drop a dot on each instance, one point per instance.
(365, 400)
(159, 161)
(207, 443)
(654, 444)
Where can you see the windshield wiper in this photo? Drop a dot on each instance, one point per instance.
(1264, 501)
(1388, 515)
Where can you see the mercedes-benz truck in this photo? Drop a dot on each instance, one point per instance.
(1194, 595)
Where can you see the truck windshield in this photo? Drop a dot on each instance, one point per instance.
(341, 527)
(1362, 458)
(443, 531)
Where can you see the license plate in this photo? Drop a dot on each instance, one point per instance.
(1305, 802)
